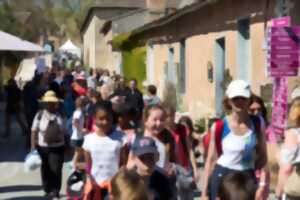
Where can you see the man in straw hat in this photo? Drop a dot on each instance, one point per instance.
(48, 138)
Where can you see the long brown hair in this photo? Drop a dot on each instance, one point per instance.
(128, 185)
(294, 114)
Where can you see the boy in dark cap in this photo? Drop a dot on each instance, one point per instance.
(145, 156)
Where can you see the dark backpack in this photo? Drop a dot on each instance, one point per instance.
(53, 132)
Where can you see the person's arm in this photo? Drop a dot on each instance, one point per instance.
(34, 139)
(35, 130)
(124, 155)
(288, 149)
(192, 158)
(87, 162)
(209, 164)
(261, 163)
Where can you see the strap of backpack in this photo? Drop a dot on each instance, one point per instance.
(256, 122)
(218, 136)
(40, 114)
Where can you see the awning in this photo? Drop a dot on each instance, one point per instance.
(10, 42)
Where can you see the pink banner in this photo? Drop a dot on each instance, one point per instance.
(284, 31)
(283, 51)
(279, 114)
(280, 68)
(282, 21)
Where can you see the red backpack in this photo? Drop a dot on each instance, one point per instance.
(221, 133)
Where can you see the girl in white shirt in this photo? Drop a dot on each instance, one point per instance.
(103, 149)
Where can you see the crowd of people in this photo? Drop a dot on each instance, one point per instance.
(130, 147)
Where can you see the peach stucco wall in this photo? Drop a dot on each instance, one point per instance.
(199, 99)
(97, 50)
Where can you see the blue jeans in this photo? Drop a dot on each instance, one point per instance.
(216, 177)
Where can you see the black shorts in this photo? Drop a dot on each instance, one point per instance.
(77, 143)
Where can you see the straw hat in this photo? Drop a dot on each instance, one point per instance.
(49, 97)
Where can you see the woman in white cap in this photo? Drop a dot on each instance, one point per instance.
(47, 137)
(240, 144)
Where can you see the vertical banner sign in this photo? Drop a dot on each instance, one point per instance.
(283, 61)
(283, 51)
(279, 113)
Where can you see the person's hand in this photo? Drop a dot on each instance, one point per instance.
(85, 130)
(204, 197)
(170, 169)
(259, 193)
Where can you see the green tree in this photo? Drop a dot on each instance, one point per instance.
(60, 18)
(10, 24)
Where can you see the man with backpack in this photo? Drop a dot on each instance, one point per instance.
(48, 138)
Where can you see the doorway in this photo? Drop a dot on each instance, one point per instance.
(219, 74)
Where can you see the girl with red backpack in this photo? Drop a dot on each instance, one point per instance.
(240, 145)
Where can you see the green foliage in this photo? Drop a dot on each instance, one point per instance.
(119, 40)
(125, 42)
(10, 24)
(134, 65)
(60, 18)
(200, 126)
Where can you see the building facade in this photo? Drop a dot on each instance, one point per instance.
(109, 18)
(201, 47)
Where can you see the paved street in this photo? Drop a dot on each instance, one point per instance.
(15, 184)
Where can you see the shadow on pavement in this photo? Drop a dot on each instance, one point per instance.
(33, 198)
(12, 151)
(20, 188)
(29, 198)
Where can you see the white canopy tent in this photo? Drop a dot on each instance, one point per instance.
(10, 42)
(70, 48)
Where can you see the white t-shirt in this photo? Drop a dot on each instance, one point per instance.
(77, 134)
(40, 124)
(238, 149)
(151, 100)
(161, 148)
(291, 155)
(105, 154)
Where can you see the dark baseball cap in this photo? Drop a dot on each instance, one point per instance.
(144, 145)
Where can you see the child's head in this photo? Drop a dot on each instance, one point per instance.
(128, 185)
(146, 155)
(151, 89)
(104, 116)
(188, 122)
(80, 102)
(237, 186)
(124, 114)
(154, 119)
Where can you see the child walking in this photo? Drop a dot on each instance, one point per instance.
(103, 149)
(154, 125)
(78, 130)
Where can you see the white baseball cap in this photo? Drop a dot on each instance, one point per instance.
(238, 88)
